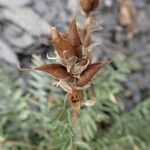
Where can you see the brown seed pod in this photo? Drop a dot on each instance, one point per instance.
(79, 67)
(56, 70)
(127, 16)
(62, 45)
(90, 72)
(89, 5)
(75, 98)
(73, 35)
(74, 38)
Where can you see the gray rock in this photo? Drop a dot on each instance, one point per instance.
(14, 3)
(28, 20)
(41, 7)
(7, 54)
(72, 3)
(143, 21)
(139, 3)
(16, 37)
(109, 21)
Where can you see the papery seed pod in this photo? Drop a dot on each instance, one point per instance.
(56, 70)
(64, 36)
(62, 46)
(79, 67)
(90, 102)
(89, 5)
(127, 16)
(74, 39)
(73, 35)
(64, 85)
(89, 73)
(70, 62)
(75, 98)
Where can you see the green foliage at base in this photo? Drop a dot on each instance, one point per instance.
(41, 118)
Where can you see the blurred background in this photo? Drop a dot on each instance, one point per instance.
(35, 115)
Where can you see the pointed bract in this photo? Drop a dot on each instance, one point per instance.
(89, 73)
(56, 70)
(55, 35)
(62, 45)
(74, 39)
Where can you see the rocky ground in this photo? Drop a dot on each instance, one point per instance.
(25, 29)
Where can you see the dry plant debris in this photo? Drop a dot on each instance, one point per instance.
(74, 68)
(127, 14)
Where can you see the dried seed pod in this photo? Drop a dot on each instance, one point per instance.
(127, 17)
(64, 85)
(73, 35)
(64, 36)
(89, 5)
(79, 67)
(75, 98)
(62, 46)
(90, 72)
(56, 70)
(70, 62)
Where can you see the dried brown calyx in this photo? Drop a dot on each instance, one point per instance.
(127, 16)
(75, 69)
(89, 5)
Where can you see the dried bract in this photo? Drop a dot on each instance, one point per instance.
(127, 17)
(90, 72)
(74, 39)
(89, 5)
(56, 70)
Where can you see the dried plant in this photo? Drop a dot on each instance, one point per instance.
(74, 68)
(127, 16)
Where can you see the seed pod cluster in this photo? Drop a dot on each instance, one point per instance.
(74, 52)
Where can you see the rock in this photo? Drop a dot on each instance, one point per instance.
(41, 7)
(7, 54)
(14, 3)
(28, 20)
(16, 37)
(143, 21)
(109, 21)
(139, 3)
(72, 3)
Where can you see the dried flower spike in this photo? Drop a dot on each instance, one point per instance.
(73, 50)
(127, 17)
